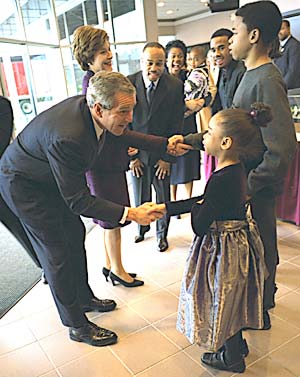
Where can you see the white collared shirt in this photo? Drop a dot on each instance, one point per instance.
(284, 42)
(147, 82)
(99, 131)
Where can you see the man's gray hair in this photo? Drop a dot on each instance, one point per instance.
(103, 87)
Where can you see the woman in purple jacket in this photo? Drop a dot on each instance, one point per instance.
(91, 49)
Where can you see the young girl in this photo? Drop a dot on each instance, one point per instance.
(222, 287)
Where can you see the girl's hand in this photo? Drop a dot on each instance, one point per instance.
(132, 151)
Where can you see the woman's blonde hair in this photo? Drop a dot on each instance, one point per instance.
(88, 40)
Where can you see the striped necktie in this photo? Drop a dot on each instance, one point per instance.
(150, 92)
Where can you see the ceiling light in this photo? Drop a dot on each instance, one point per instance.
(203, 1)
(160, 4)
(170, 11)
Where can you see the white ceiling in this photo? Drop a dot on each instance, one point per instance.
(180, 8)
(185, 8)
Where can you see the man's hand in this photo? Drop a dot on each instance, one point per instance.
(136, 167)
(176, 146)
(146, 213)
(163, 169)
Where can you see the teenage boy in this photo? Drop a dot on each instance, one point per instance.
(255, 26)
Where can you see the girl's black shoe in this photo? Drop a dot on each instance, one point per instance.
(243, 348)
(135, 283)
(106, 271)
(217, 360)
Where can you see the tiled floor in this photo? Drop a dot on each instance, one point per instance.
(34, 343)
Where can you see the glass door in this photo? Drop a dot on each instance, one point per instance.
(15, 79)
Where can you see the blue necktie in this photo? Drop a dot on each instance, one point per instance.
(150, 92)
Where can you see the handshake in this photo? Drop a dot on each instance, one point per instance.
(176, 146)
(146, 213)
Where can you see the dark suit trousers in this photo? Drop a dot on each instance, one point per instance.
(13, 224)
(142, 190)
(57, 236)
(263, 211)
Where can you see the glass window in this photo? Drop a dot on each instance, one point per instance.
(39, 21)
(48, 77)
(91, 12)
(61, 27)
(127, 20)
(128, 57)
(16, 78)
(73, 72)
(74, 18)
(9, 21)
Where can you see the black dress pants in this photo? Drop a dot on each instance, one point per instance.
(13, 224)
(263, 206)
(57, 235)
(142, 191)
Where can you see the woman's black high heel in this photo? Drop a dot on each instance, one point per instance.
(114, 278)
(106, 271)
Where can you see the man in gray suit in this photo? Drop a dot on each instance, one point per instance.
(289, 61)
(159, 111)
(42, 180)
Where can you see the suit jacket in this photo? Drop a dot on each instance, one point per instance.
(52, 155)
(289, 63)
(6, 123)
(163, 118)
(228, 81)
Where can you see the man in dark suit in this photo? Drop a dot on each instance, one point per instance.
(230, 70)
(7, 217)
(159, 111)
(42, 179)
(289, 61)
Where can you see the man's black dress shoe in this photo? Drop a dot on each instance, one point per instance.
(141, 236)
(93, 335)
(217, 360)
(162, 244)
(97, 305)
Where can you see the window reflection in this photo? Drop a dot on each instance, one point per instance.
(38, 20)
(9, 21)
(36, 77)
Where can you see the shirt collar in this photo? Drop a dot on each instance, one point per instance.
(99, 131)
(284, 42)
(147, 82)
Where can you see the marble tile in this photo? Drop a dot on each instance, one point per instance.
(288, 275)
(28, 361)
(168, 327)
(100, 363)
(178, 365)
(144, 349)
(156, 306)
(15, 335)
(288, 356)
(60, 349)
